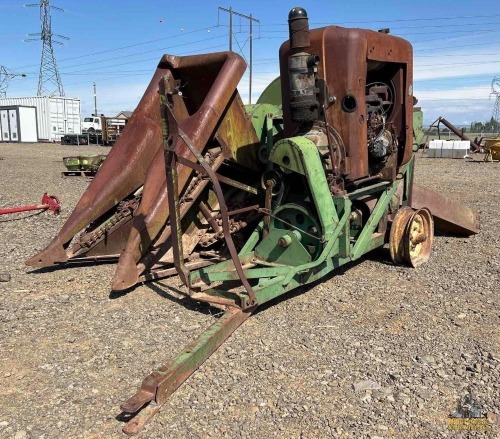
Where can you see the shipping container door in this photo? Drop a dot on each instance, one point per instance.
(14, 130)
(57, 118)
(27, 125)
(73, 116)
(4, 122)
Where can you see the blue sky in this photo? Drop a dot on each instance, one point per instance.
(118, 44)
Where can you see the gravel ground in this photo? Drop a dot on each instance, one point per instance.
(374, 351)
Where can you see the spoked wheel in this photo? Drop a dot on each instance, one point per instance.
(411, 238)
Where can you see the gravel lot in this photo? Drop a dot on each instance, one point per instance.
(70, 353)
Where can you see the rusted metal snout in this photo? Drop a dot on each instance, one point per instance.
(121, 174)
(226, 69)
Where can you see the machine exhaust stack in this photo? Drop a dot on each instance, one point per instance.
(304, 105)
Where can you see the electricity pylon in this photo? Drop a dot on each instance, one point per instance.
(495, 91)
(49, 80)
(5, 76)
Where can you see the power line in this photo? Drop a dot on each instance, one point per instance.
(208, 28)
(191, 32)
(251, 21)
(413, 27)
(449, 65)
(137, 54)
(127, 47)
(421, 33)
(150, 59)
(466, 78)
(452, 99)
(454, 47)
(131, 62)
(457, 54)
(387, 21)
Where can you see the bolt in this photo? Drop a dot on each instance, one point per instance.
(284, 241)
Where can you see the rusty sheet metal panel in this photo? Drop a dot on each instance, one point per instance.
(238, 140)
(349, 60)
(449, 216)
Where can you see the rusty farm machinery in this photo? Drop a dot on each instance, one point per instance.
(247, 203)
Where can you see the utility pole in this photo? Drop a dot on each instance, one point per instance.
(230, 28)
(5, 76)
(251, 61)
(251, 20)
(95, 101)
(49, 80)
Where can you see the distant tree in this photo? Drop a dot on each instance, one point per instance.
(492, 126)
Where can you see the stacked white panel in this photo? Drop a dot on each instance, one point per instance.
(461, 148)
(447, 149)
(456, 149)
(435, 147)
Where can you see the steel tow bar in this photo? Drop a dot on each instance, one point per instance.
(160, 384)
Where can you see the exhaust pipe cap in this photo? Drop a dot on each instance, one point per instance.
(297, 13)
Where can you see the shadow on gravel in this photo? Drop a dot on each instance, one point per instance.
(71, 264)
(118, 294)
(21, 218)
(380, 255)
(180, 298)
(304, 289)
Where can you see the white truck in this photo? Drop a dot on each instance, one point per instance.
(96, 130)
(91, 124)
(95, 124)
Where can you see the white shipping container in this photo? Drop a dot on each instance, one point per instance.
(18, 124)
(56, 115)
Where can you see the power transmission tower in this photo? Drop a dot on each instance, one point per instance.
(495, 91)
(232, 12)
(49, 81)
(5, 76)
